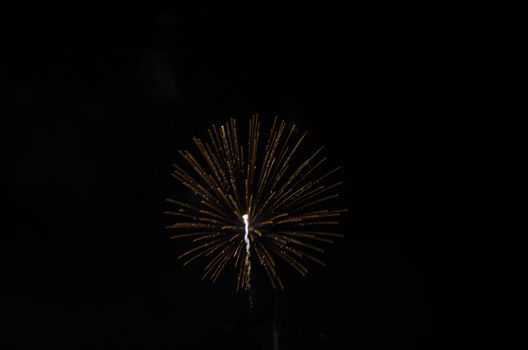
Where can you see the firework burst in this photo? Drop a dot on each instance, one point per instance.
(255, 202)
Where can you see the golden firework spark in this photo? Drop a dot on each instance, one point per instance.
(255, 199)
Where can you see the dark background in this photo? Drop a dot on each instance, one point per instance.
(410, 100)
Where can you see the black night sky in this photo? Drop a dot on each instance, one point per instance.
(405, 98)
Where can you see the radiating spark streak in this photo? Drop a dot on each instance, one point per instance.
(280, 193)
(183, 235)
(286, 240)
(217, 260)
(270, 270)
(201, 246)
(290, 260)
(310, 235)
(195, 209)
(202, 253)
(259, 197)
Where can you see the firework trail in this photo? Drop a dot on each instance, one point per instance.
(248, 250)
(262, 198)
